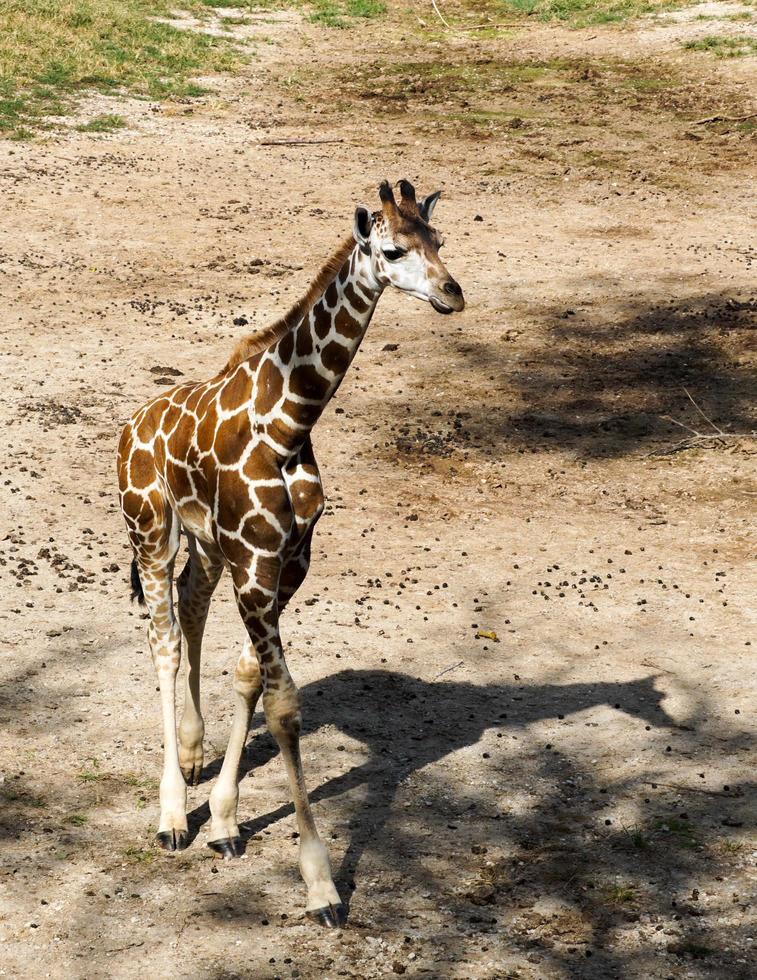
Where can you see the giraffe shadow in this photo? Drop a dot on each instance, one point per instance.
(406, 724)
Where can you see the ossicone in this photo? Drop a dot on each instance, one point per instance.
(407, 191)
(386, 193)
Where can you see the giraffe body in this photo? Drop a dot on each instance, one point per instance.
(230, 462)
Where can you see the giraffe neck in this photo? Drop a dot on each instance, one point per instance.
(314, 357)
(340, 317)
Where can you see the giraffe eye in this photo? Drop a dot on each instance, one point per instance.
(393, 253)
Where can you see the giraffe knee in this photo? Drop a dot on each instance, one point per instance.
(164, 636)
(247, 679)
(282, 712)
(165, 646)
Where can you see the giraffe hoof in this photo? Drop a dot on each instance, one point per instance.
(228, 847)
(330, 916)
(172, 840)
(192, 775)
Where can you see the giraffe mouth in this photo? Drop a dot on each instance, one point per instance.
(439, 306)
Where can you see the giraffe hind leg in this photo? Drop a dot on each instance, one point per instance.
(155, 545)
(295, 570)
(195, 587)
(305, 491)
(137, 592)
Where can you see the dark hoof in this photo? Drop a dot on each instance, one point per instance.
(331, 916)
(229, 847)
(192, 776)
(173, 840)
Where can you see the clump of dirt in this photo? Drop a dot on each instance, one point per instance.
(442, 442)
(52, 413)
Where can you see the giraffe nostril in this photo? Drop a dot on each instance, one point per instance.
(452, 288)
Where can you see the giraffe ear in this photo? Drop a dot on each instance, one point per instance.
(427, 205)
(361, 228)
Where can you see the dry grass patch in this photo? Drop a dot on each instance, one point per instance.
(554, 116)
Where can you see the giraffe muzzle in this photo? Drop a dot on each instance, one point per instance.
(452, 299)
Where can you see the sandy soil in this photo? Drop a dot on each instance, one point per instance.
(572, 799)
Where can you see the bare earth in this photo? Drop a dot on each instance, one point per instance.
(574, 798)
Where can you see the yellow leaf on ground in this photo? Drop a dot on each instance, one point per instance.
(487, 635)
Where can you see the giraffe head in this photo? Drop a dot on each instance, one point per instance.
(404, 248)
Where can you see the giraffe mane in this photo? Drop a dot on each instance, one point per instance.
(261, 340)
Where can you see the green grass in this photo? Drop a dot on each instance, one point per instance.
(678, 831)
(328, 13)
(724, 47)
(34, 801)
(52, 50)
(75, 819)
(102, 124)
(639, 840)
(741, 16)
(576, 13)
(143, 782)
(648, 84)
(620, 894)
(437, 79)
(341, 13)
(92, 774)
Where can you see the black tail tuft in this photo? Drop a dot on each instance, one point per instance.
(137, 592)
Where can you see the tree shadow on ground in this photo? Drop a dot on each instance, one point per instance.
(595, 383)
(29, 701)
(418, 723)
(567, 847)
(481, 832)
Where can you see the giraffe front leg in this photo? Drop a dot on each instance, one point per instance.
(256, 593)
(192, 726)
(224, 798)
(282, 712)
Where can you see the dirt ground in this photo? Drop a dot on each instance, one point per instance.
(574, 798)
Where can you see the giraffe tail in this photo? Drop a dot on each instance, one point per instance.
(137, 592)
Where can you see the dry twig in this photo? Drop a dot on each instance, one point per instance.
(698, 438)
(298, 142)
(120, 949)
(719, 118)
(440, 15)
(648, 663)
(489, 27)
(685, 789)
(473, 27)
(707, 419)
(448, 669)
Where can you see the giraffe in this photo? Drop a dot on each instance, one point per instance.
(229, 462)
